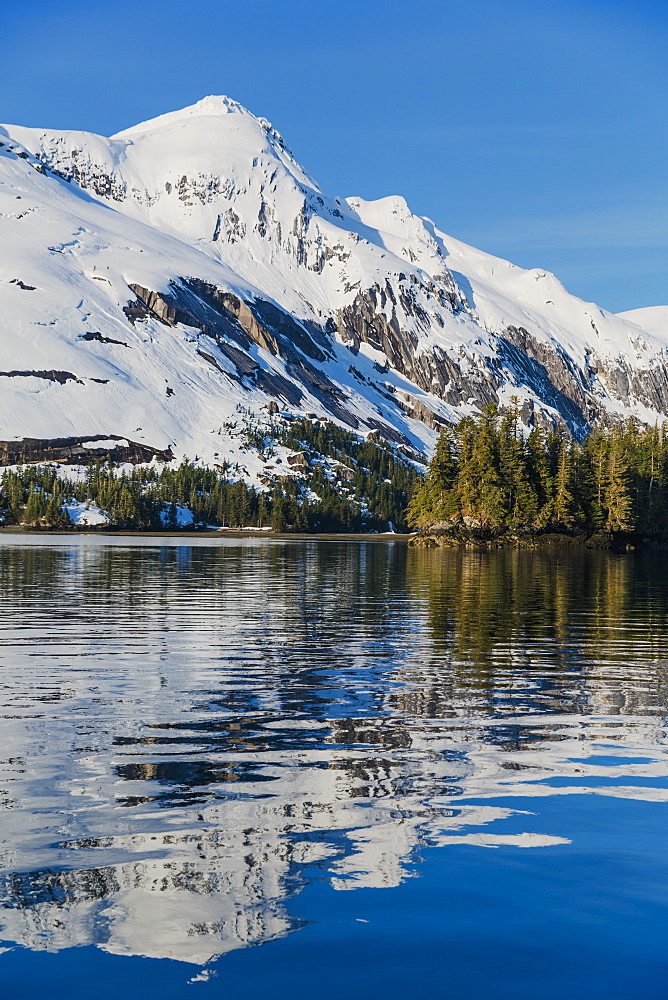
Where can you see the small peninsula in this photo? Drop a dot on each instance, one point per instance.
(490, 486)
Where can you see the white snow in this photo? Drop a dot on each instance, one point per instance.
(108, 443)
(651, 319)
(85, 513)
(212, 192)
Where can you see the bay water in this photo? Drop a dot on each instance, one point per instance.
(252, 767)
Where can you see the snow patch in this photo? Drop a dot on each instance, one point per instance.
(85, 514)
(180, 517)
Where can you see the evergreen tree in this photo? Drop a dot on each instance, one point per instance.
(278, 520)
(539, 474)
(617, 497)
(562, 502)
(435, 497)
(521, 500)
(486, 492)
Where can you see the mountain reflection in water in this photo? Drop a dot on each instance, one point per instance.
(194, 731)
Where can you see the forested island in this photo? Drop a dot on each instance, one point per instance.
(489, 483)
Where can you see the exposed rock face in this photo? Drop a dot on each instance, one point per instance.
(223, 316)
(157, 305)
(96, 335)
(50, 376)
(552, 375)
(212, 310)
(78, 450)
(300, 460)
(365, 322)
(626, 383)
(545, 369)
(419, 410)
(75, 165)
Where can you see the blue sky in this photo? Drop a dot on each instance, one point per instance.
(534, 129)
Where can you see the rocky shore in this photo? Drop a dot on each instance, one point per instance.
(478, 536)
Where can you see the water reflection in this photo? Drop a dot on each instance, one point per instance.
(194, 732)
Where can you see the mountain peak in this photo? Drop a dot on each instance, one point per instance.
(217, 132)
(211, 106)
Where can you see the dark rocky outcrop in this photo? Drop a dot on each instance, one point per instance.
(551, 375)
(223, 315)
(95, 335)
(300, 460)
(383, 431)
(275, 385)
(77, 166)
(556, 380)
(516, 356)
(158, 306)
(293, 333)
(389, 319)
(214, 364)
(50, 376)
(415, 408)
(72, 450)
(438, 372)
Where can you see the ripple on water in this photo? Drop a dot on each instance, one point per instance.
(217, 727)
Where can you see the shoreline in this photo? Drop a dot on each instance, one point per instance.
(455, 537)
(460, 537)
(15, 529)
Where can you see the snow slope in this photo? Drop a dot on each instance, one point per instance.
(155, 283)
(651, 319)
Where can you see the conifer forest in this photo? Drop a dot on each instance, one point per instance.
(345, 484)
(487, 473)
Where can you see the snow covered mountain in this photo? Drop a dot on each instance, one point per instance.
(156, 283)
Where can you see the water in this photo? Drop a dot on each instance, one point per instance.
(389, 770)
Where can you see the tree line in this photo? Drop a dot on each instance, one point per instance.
(373, 497)
(485, 469)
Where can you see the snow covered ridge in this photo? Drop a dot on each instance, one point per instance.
(154, 282)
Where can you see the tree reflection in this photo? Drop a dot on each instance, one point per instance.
(550, 631)
(193, 733)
